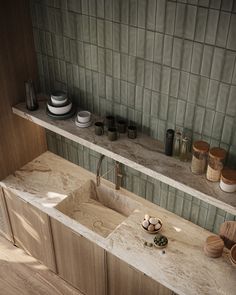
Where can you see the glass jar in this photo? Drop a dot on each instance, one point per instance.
(184, 151)
(228, 180)
(199, 158)
(215, 164)
(177, 144)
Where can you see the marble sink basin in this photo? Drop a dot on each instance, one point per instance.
(99, 208)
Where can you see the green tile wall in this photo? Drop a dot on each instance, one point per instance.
(158, 63)
(176, 201)
(161, 64)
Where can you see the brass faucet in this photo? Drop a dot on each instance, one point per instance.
(98, 170)
(118, 175)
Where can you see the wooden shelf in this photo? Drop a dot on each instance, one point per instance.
(143, 154)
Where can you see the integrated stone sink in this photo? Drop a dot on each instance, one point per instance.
(101, 209)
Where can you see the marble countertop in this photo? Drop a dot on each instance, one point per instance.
(143, 154)
(183, 268)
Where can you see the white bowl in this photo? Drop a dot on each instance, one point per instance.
(82, 125)
(83, 116)
(58, 103)
(59, 95)
(59, 110)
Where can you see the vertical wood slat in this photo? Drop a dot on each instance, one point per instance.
(5, 225)
(21, 140)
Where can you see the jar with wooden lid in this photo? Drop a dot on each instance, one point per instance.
(228, 180)
(199, 158)
(215, 163)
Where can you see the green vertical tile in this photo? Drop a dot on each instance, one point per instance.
(186, 208)
(93, 163)
(196, 201)
(86, 159)
(211, 215)
(164, 195)
(160, 16)
(72, 154)
(135, 185)
(179, 203)
(194, 213)
(229, 217)
(157, 192)
(202, 216)
(149, 191)
(171, 199)
(59, 145)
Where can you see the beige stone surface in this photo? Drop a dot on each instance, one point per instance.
(183, 267)
(143, 154)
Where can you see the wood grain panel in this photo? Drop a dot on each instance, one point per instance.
(5, 227)
(22, 274)
(31, 229)
(20, 141)
(79, 261)
(124, 279)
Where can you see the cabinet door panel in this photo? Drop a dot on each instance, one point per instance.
(31, 229)
(5, 227)
(79, 261)
(124, 279)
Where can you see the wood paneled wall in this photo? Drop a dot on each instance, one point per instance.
(20, 140)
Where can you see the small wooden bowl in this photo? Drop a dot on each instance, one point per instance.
(163, 246)
(154, 231)
(233, 255)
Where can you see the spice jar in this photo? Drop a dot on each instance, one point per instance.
(228, 180)
(177, 144)
(184, 151)
(199, 158)
(215, 163)
(169, 142)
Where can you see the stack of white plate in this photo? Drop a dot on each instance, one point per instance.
(59, 104)
(83, 119)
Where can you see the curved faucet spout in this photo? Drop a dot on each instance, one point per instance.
(98, 169)
(118, 175)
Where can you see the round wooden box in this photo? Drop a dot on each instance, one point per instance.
(214, 246)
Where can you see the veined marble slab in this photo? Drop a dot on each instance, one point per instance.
(183, 268)
(143, 154)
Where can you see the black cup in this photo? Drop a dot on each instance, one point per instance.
(132, 132)
(99, 128)
(112, 133)
(121, 125)
(110, 121)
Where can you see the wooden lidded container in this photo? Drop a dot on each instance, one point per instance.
(199, 158)
(228, 180)
(214, 246)
(228, 233)
(215, 163)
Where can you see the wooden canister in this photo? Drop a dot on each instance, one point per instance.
(215, 163)
(228, 233)
(214, 246)
(199, 158)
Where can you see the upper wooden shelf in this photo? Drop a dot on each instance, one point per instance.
(143, 154)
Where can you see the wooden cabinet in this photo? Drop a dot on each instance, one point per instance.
(5, 227)
(31, 229)
(124, 279)
(79, 261)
